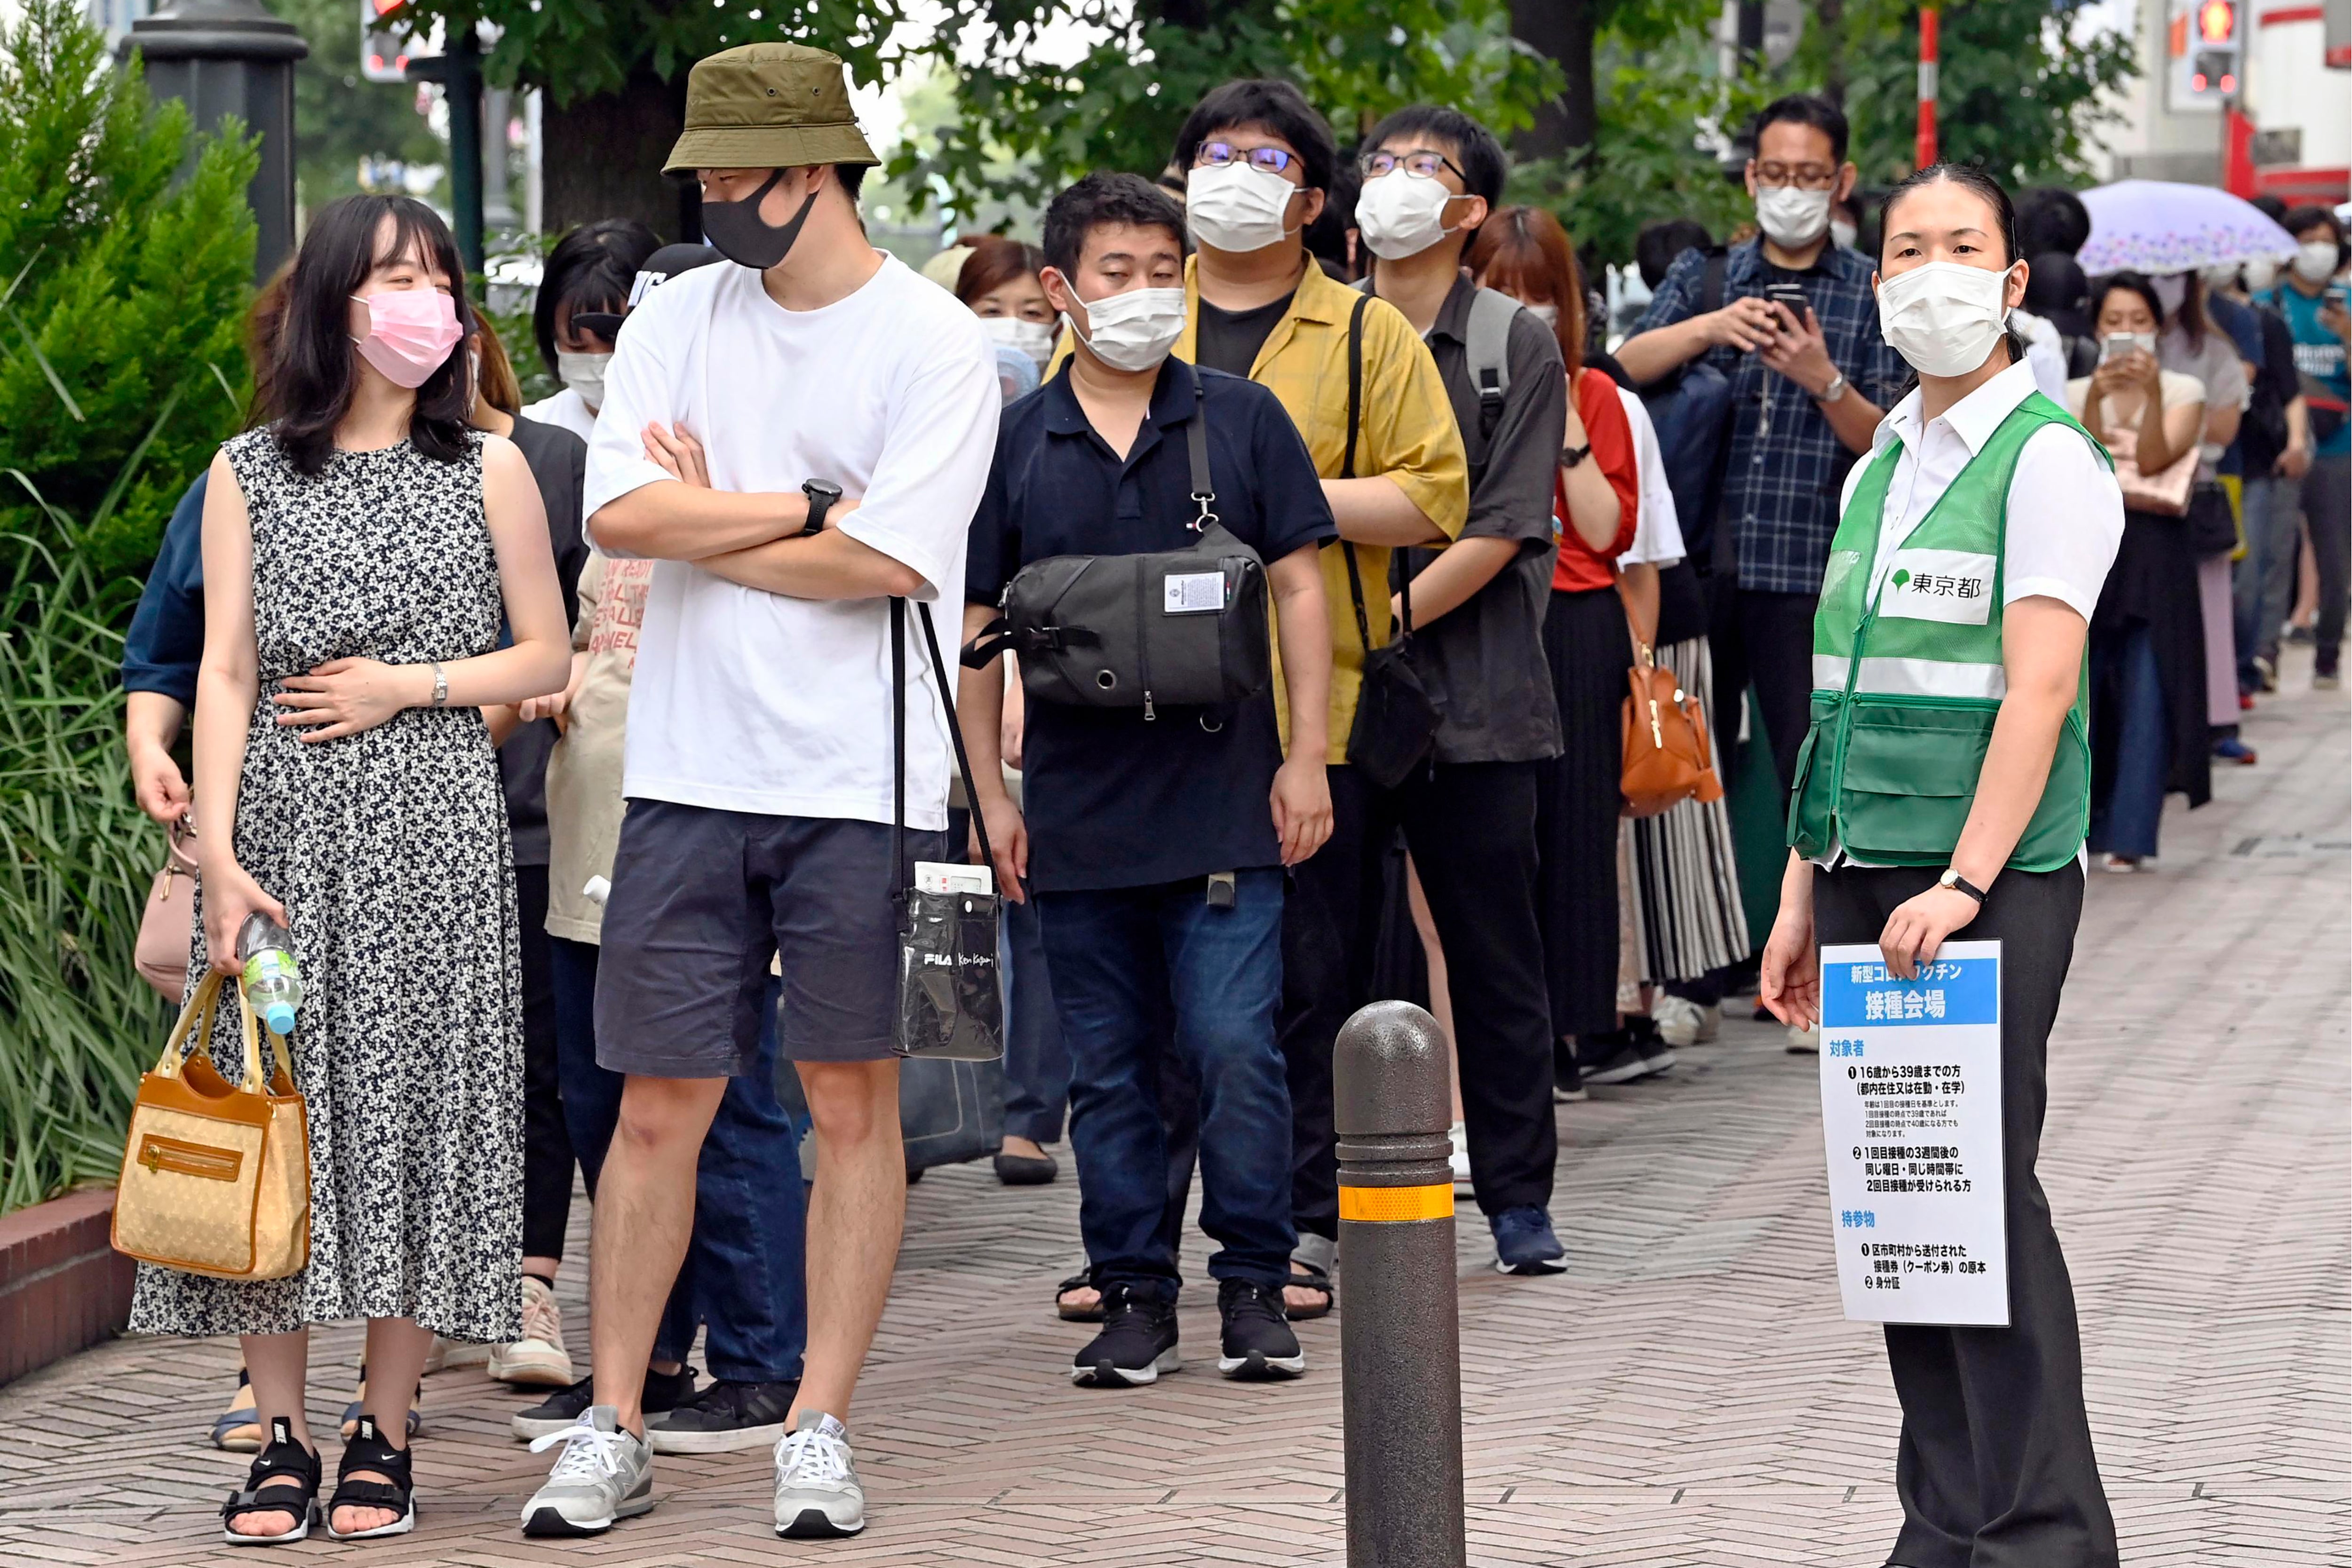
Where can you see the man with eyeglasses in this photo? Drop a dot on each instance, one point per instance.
(1259, 163)
(1794, 325)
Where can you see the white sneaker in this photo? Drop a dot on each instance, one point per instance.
(448, 1352)
(817, 1491)
(1461, 1137)
(1806, 1042)
(603, 1474)
(538, 1360)
(1683, 1022)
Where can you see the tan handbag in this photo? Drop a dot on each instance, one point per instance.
(167, 927)
(2167, 493)
(1668, 760)
(216, 1176)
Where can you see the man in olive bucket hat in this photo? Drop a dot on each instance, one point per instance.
(792, 440)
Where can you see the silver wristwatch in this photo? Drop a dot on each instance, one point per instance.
(1835, 391)
(440, 686)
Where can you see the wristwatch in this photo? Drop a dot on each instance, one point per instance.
(1570, 457)
(1959, 883)
(822, 494)
(1835, 391)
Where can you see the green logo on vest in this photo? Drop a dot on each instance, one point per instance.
(1901, 576)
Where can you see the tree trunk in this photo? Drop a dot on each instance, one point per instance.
(604, 155)
(1562, 31)
(1829, 16)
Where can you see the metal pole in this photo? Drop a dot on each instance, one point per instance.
(1400, 1335)
(1925, 153)
(463, 86)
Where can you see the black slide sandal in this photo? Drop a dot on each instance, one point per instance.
(1083, 1280)
(283, 1479)
(367, 1450)
(1306, 1277)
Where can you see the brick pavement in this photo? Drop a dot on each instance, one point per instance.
(1686, 1396)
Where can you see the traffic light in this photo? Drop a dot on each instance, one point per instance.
(384, 46)
(2206, 52)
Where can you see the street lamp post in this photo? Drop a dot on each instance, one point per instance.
(232, 57)
(1925, 153)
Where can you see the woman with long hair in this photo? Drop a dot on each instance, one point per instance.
(362, 550)
(1524, 252)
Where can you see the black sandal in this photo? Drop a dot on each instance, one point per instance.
(1306, 1277)
(1083, 1280)
(367, 1450)
(283, 1479)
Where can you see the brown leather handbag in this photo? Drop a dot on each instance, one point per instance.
(216, 1176)
(1667, 759)
(167, 926)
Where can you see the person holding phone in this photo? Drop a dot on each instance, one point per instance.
(1973, 546)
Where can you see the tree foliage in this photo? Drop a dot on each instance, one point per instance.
(120, 366)
(343, 116)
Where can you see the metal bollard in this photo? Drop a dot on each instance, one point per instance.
(1400, 1333)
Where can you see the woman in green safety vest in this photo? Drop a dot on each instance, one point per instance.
(1944, 786)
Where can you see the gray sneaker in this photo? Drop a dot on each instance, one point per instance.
(817, 1492)
(603, 1474)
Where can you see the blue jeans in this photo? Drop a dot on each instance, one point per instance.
(744, 1275)
(1036, 1063)
(1134, 967)
(2264, 589)
(2126, 813)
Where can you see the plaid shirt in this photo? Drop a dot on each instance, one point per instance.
(1786, 464)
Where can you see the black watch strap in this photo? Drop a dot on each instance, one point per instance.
(1570, 457)
(1960, 884)
(821, 496)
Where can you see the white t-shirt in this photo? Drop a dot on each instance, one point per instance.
(2045, 351)
(751, 701)
(568, 410)
(1657, 532)
(2065, 510)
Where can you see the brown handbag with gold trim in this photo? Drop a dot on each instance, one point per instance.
(215, 1176)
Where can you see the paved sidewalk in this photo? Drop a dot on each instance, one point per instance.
(1687, 1396)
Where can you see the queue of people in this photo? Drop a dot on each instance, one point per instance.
(649, 862)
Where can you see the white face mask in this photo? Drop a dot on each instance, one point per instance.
(1235, 207)
(2315, 260)
(1034, 338)
(584, 375)
(2171, 289)
(1546, 313)
(2221, 276)
(1843, 233)
(1790, 216)
(1132, 331)
(1944, 317)
(1401, 215)
(2259, 274)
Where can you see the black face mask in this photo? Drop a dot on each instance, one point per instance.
(738, 232)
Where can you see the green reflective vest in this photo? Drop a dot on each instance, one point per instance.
(1908, 675)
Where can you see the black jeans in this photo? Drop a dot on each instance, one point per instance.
(1995, 1468)
(2327, 513)
(546, 1143)
(1766, 639)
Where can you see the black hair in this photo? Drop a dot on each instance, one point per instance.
(2270, 205)
(2133, 282)
(1103, 198)
(1327, 238)
(1803, 109)
(1270, 104)
(1972, 178)
(1655, 247)
(2301, 221)
(2057, 291)
(1482, 164)
(591, 269)
(852, 177)
(316, 362)
(2051, 218)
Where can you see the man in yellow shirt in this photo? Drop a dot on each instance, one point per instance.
(1258, 161)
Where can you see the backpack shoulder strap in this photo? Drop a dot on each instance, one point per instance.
(1489, 353)
(1710, 288)
(1354, 384)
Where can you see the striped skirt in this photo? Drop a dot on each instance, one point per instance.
(1683, 881)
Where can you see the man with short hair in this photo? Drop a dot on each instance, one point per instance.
(793, 439)
(1156, 836)
(1431, 176)
(1809, 388)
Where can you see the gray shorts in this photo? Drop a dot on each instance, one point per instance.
(703, 898)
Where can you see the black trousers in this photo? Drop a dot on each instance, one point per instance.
(546, 1144)
(1578, 801)
(1995, 1469)
(1766, 639)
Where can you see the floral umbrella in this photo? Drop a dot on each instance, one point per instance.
(2157, 227)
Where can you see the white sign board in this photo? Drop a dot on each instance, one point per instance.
(1911, 1120)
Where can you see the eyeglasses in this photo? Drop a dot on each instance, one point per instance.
(1805, 176)
(1421, 164)
(1217, 154)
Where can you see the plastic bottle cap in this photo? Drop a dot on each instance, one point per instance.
(280, 1016)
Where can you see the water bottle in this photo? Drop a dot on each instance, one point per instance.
(272, 981)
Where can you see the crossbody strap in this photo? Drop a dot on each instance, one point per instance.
(1348, 471)
(901, 872)
(1196, 449)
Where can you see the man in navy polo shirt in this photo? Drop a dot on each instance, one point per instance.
(1155, 840)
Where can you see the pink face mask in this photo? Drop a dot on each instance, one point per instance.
(411, 333)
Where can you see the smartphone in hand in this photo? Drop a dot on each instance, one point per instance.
(2115, 345)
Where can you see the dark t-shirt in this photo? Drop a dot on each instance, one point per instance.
(1114, 800)
(1228, 340)
(558, 459)
(2275, 386)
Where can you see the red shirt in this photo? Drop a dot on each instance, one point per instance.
(1580, 565)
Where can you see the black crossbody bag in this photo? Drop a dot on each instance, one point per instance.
(1396, 716)
(1187, 627)
(950, 1006)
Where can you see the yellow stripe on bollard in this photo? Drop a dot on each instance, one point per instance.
(1391, 1205)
